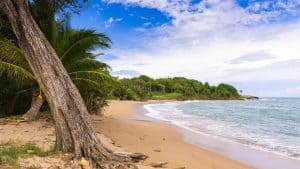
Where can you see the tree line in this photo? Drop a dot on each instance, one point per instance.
(179, 88)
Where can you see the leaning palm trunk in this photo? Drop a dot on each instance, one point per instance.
(74, 131)
(36, 104)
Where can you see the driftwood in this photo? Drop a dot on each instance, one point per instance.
(134, 157)
(158, 164)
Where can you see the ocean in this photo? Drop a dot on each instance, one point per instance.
(269, 124)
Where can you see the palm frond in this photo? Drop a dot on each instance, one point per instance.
(105, 66)
(102, 81)
(10, 85)
(74, 44)
(89, 85)
(98, 76)
(15, 71)
(86, 64)
(12, 54)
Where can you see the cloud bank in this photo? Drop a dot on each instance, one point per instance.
(218, 41)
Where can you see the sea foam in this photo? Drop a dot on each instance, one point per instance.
(269, 124)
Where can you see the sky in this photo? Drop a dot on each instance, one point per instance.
(251, 44)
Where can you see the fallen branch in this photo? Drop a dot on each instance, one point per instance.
(158, 164)
(135, 157)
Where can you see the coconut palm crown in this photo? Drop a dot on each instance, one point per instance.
(74, 47)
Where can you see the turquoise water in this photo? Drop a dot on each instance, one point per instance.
(271, 124)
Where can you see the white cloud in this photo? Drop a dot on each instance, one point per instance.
(126, 73)
(204, 38)
(252, 57)
(111, 21)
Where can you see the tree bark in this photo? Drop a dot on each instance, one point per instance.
(74, 131)
(36, 104)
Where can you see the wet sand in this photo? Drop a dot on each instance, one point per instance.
(162, 143)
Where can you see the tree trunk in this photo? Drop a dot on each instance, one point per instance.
(74, 131)
(36, 104)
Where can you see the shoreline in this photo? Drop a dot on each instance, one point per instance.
(126, 127)
(246, 154)
(161, 142)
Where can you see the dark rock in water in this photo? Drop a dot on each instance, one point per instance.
(247, 97)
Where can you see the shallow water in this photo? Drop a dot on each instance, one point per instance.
(271, 124)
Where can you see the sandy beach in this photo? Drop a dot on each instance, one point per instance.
(162, 143)
(120, 132)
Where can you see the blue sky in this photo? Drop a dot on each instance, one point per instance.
(252, 44)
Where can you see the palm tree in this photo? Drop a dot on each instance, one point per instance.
(74, 130)
(74, 49)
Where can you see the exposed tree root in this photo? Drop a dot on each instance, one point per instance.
(114, 161)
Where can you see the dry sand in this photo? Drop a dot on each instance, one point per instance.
(162, 143)
(40, 132)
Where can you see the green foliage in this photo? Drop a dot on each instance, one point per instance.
(10, 152)
(77, 43)
(95, 87)
(179, 88)
(166, 96)
(15, 71)
(133, 89)
(5, 28)
(15, 96)
(74, 49)
(226, 91)
(12, 61)
(61, 7)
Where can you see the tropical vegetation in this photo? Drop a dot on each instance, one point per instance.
(180, 88)
(74, 47)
